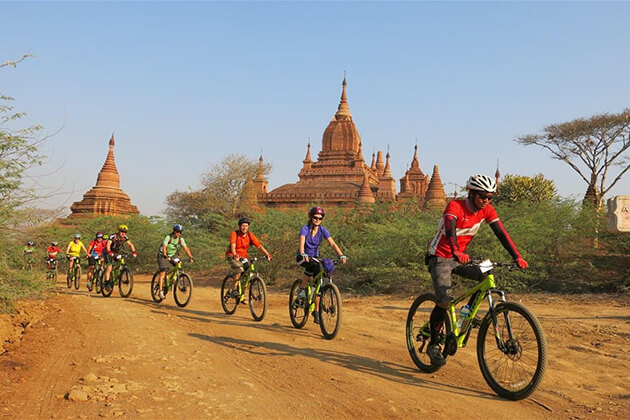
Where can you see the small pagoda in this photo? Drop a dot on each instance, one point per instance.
(106, 198)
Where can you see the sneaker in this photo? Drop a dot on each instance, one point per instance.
(89, 285)
(161, 294)
(435, 354)
(316, 317)
(235, 294)
(301, 294)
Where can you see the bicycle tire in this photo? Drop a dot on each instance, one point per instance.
(107, 286)
(329, 310)
(418, 335)
(155, 288)
(527, 333)
(257, 298)
(298, 311)
(69, 280)
(98, 281)
(182, 290)
(228, 303)
(77, 275)
(125, 282)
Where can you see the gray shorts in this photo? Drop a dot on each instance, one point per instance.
(235, 265)
(163, 263)
(442, 269)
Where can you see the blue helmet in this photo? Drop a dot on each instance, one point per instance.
(178, 228)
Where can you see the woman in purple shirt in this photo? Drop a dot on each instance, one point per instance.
(311, 235)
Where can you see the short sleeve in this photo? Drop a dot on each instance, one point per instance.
(165, 241)
(254, 240)
(182, 242)
(491, 214)
(325, 232)
(304, 231)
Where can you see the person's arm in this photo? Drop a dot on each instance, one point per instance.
(302, 243)
(68, 248)
(450, 231)
(508, 244)
(133, 248)
(334, 246)
(84, 250)
(267, 254)
(187, 250)
(90, 247)
(108, 247)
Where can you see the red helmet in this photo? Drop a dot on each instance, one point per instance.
(316, 210)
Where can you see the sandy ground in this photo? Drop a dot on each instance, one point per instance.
(84, 356)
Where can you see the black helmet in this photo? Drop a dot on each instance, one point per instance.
(243, 220)
(178, 228)
(316, 210)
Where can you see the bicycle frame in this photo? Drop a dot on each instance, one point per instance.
(248, 274)
(173, 273)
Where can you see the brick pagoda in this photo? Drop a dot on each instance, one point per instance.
(106, 198)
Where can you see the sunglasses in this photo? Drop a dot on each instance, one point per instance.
(318, 218)
(484, 196)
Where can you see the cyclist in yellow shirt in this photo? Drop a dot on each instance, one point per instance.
(73, 250)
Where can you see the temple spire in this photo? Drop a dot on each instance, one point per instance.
(387, 171)
(108, 176)
(414, 162)
(307, 159)
(343, 111)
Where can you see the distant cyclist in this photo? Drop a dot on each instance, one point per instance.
(95, 250)
(73, 250)
(240, 240)
(52, 251)
(447, 253)
(311, 236)
(170, 245)
(28, 253)
(115, 244)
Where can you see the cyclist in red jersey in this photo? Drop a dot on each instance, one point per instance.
(52, 251)
(447, 252)
(95, 250)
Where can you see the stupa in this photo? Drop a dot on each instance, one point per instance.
(339, 176)
(106, 198)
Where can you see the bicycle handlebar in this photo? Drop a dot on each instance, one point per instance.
(480, 262)
(243, 260)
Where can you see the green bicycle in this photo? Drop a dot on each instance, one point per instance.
(511, 344)
(175, 279)
(329, 302)
(121, 275)
(51, 270)
(74, 273)
(233, 292)
(97, 275)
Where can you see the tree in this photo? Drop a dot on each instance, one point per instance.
(534, 189)
(591, 147)
(18, 152)
(228, 190)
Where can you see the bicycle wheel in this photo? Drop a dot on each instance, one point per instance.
(418, 331)
(98, 280)
(69, 279)
(77, 275)
(125, 282)
(514, 369)
(229, 303)
(330, 311)
(155, 287)
(182, 290)
(298, 311)
(107, 286)
(257, 298)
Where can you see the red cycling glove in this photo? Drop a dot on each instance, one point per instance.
(134, 254)
(461, 257)
(522, 264)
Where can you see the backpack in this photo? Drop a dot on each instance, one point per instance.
(170, 239)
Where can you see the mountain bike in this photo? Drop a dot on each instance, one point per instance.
(176, 279)
(329, 303)
(74, 273)
(97, 275)
(233, 292)
(121, 275)
(51, 270)
(511, 344)
(28, 261)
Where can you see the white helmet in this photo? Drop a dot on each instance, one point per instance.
(481, 182)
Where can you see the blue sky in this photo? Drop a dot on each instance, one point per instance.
(184, 84)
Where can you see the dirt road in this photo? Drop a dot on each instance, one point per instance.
(95, 357)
